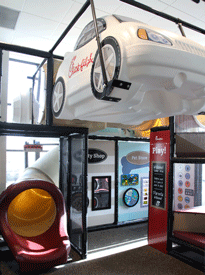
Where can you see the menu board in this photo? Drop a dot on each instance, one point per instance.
(158, 184)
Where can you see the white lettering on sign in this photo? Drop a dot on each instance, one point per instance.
(159, 150)
(156, 138)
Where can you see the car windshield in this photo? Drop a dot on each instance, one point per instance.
(121, 19)
(88, 33)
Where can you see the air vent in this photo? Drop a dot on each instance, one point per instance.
(8, 17)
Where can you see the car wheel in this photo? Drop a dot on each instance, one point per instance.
(58, 96)
(112, 60)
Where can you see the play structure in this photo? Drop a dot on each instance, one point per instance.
(33, 221)
(189, 225)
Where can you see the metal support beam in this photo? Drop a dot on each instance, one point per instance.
(164, 15)
(98, 44)
(49, 114)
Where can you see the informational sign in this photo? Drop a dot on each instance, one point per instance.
(129, 180)
(158, 198)
(158, 184)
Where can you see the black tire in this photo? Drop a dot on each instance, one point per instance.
(59, 89)
(112, 45)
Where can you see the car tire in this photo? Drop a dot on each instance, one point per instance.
(58, 97)
(112, 60)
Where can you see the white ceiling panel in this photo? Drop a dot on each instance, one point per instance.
(107, 5)
(155, 4)
(134, 13)
(179, 14)
(34, 25)
(28, 40)
(50, 9)
(70, 38)
(164, 24)
(6, 35)
(13, 4)
(168, 2)
(190, 7)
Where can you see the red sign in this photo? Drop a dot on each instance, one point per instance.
(158, 199)
(80, 66)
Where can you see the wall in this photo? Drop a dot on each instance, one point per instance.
(104, 168)
(133, 160)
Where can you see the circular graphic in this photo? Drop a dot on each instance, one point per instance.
(186, 206)
(180, 167)
(187, 183)
(180, 191)
(187, 168)
(180, 198)
(131, 197)
(180, 182)
(187, 200)
(187, 176)
(180, 206)
(180, 175)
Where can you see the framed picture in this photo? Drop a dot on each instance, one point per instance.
(101, 192)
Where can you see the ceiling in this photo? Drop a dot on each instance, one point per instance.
(41, 22)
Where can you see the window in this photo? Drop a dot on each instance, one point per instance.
(88, 33)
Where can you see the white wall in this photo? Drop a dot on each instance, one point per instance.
(4, 88)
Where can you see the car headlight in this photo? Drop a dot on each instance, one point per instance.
(152, 36)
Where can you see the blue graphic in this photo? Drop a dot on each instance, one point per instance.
(127, 166)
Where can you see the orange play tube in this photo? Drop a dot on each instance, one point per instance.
(32, 212)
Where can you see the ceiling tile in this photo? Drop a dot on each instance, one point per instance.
(156, 5)
(64, 48)
(84, 19)
(179, 14)
(6, 35)
(165, 24)
(50, 9)
(35, 25)
(70, 38)
(135, 13)
(108, 6)
(32, 41)
(168, 2)
(13, 4)
(190, 7)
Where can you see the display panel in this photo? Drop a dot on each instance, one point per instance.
(144, 191)
(101, 192)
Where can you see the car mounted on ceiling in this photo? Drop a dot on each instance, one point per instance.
(151, 73)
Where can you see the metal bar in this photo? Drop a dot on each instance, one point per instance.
(84, 210)
(28, 130)
(181, 29)
(49, 114)
(98, 44)
(164, 15)
(75, 19)
(24, 50)
(170, 186)
(119, 138)
(116, 181)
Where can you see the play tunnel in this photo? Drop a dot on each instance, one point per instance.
(33, 221)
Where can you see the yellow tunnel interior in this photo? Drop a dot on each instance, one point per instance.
(32, 212)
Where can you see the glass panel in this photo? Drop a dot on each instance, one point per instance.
(77, 194)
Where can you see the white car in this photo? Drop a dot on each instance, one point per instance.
(151, 73)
